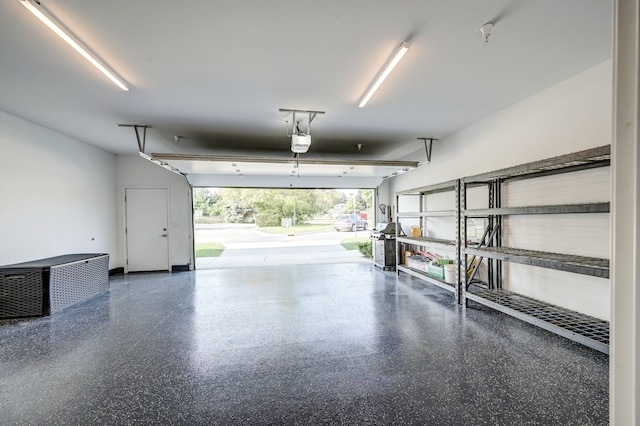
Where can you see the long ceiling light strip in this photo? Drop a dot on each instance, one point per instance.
(404, 46)
(57, 27)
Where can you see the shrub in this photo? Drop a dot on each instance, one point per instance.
(366, 248)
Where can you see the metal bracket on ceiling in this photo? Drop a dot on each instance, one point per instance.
(141, 140)
(428, 145)
(294, 129)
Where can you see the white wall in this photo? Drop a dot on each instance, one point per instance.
(136, 172)
(57, 195)
(571, 116)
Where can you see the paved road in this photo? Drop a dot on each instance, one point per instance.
(246, 246)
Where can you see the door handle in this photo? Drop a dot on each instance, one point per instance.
(164, 235)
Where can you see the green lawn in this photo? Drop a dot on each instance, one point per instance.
(299, 229)
(209, 249)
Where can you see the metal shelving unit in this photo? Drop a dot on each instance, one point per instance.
(582, 328)
(404, 241)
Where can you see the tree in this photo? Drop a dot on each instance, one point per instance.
(327, 198)
(276, 204)
(237, 205)
(268, 206)
(367, 198)
(363, 201)
(206, 201)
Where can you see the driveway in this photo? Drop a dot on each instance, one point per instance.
(246, 246)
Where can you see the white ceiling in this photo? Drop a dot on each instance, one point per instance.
(216, 73)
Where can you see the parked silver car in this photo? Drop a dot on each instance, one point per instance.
(349, 222)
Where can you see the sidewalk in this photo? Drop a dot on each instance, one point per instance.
(242, 255)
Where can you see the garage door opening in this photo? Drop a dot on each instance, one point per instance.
(244, 227)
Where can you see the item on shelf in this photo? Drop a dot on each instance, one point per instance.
(410, 262)
(436, 271)
(416, 231)
(472, 265)
(405, 254)
(430, 255)
(418, 263)
(449, 273)
(444, 261)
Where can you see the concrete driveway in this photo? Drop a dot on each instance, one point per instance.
(246, 246)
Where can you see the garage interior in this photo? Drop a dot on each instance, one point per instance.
(270, 95)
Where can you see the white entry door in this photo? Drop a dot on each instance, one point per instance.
(147, 229)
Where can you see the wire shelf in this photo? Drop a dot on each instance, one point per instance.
(595, 157)
(425, 277)
(594, 266)
(590, 331)
(421, 241)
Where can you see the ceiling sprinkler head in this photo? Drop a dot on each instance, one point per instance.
(485, 30)
(359, 147)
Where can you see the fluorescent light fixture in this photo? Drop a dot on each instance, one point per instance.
(404, 46)
(57, 27)
(300, 143)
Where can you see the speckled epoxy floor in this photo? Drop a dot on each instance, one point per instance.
(307, 344)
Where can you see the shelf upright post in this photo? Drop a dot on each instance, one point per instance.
(399, 245)
(459, 284)
(491, 224)
(463, 242)
(422, 220)
(498, 242)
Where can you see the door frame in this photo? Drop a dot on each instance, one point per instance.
(123, 230)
